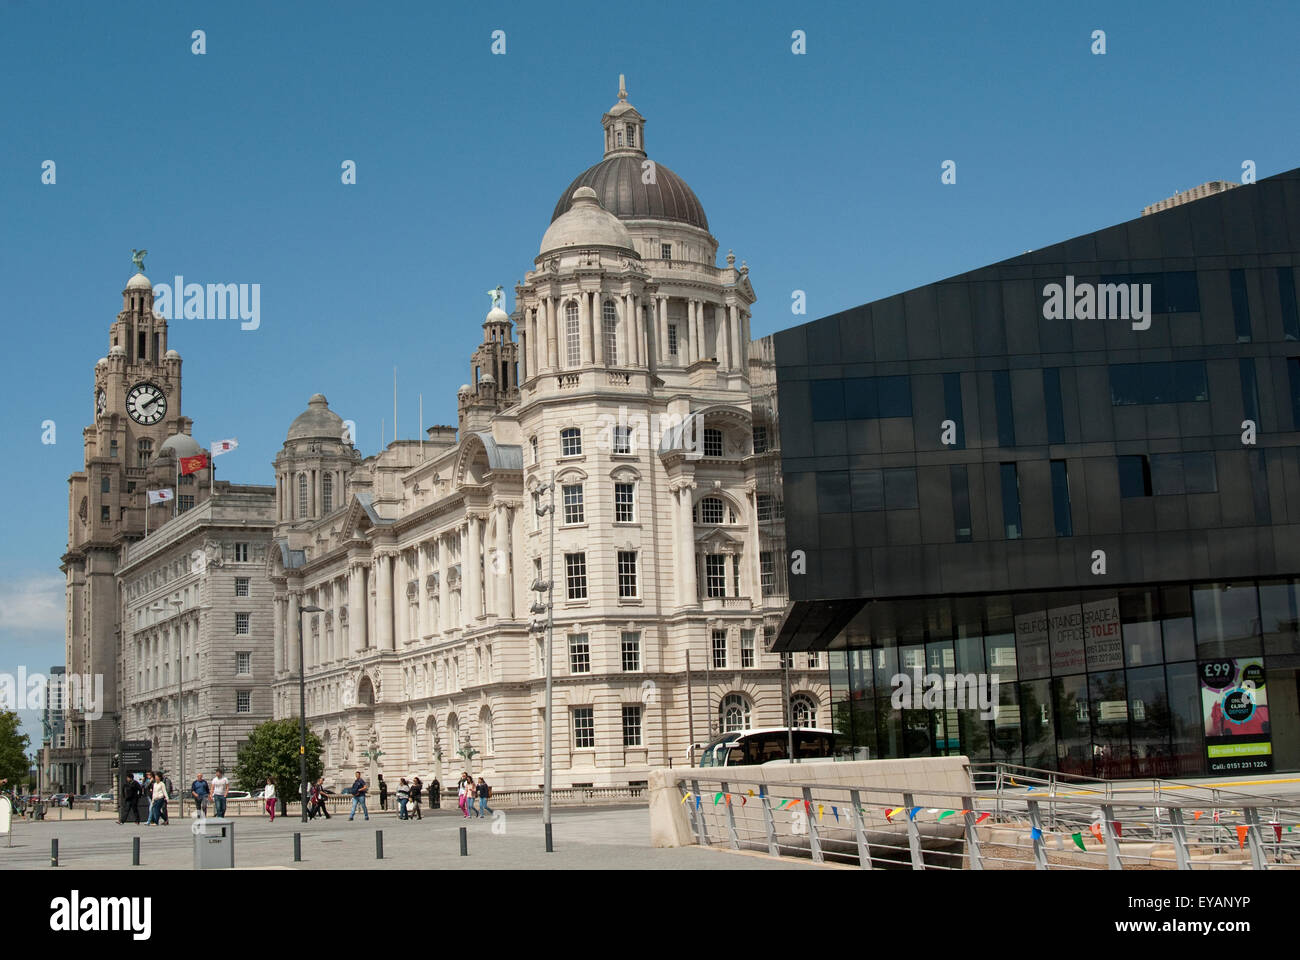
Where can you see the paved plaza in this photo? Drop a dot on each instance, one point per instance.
(607, 838)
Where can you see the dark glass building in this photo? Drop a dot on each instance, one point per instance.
(1074, 472)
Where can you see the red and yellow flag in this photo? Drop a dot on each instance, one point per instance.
(193, 464)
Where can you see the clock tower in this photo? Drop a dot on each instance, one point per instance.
(136, 404)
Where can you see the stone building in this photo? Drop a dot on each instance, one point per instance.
(629, 386)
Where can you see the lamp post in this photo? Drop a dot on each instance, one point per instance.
(302, 712)
(544, 604)
(177, 602)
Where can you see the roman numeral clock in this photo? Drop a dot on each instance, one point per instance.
(146, 404)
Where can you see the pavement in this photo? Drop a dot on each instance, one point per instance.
(605, 838)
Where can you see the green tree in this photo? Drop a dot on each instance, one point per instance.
(272, 751)
(14, 764)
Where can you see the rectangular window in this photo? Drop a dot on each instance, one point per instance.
(1011, 501)
(105, 485)
(573, 503)
(1061, 499)
(631, 648)
(665, 251)
(1137, 383)
(584, 727)
(1286, 294)
(672, 339)
(814, 661)
(609, 323)
(766, 572)
(532, 442)
(787, 661)
(104, 514)
(243, 701)
(719, 649)
(579, 653)
(1053, 405)
(184, 502)
(1240, 305)
(746, 648)
(715, 575)
(760, 439)
(572, 336)
(712, 443)
(571, 442)
(1134, 476)
(710, 510)
(627, 574)
(575, 570)
(241, 586)
(241, 623)
(631, 725)
(112, 448)
(960, 502)
(622, 439)
(763, 507)
(624, 503)
(1249, 390)
(241, 553)
(243, 663)
(1006, 414)
(952, 407)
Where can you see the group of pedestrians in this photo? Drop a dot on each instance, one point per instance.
(408, 799)
(467, 791)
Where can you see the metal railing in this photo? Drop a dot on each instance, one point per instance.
(925, 829)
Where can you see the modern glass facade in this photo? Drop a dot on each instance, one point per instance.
(1075, 471)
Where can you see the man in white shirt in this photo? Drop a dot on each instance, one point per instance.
(220, 790)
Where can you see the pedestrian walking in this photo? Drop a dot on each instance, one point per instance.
(383, 793)
(200, 790)
(462, 794)
(220, 791)
(359, 789)
(414, 806)
(403, 797)
(157, 799)
(130, 800)
(268, 795)
(435, 794)
(484, 791)
(318, 795)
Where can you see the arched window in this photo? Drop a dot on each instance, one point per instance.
(710, 510)
(803, 711)
(631, 136)
(572, 337)
(453, 733)
(412, 744)
(485, 725)
(734, 713)
(327, 493)
(609, 323)
(303, 508)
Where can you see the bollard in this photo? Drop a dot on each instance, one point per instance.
(549, 847)
(379, 844)
(54, 852)
(135, 851)
(297, 847)
(464, 843)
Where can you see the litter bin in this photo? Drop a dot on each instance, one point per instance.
(214, 843)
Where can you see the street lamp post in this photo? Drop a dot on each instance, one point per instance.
(177, 602)
(542, 588)
(302, 712)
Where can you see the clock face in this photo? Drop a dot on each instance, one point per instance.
(146, 403)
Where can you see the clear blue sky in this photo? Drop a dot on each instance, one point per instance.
(822, 171)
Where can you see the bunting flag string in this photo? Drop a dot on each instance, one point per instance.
(836, 811)
(686, 797)
(946, 813)
(1078, 841)
(1241, 835)
(980, 819)
(717, 799)
(1035, 834)
(821, 810)
(1096, 832)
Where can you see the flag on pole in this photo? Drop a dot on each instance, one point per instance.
(193, 464)
(224, 446)
(159, 496)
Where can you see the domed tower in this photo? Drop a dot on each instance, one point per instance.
(313, 466)
(627, 280)
(495, 368)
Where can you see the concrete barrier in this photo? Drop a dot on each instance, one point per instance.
(670, 824)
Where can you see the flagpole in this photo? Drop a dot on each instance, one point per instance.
(176, 499)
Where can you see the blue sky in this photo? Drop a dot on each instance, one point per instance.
(822, 171)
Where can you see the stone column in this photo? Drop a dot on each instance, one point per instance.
(384, 601)
(689, 355)
(584, 327)
(686, 546)
(755, 563)
(356, 609)
(316, 502)
(598, 328)
(401, 602)
(661, 325)
(278, 626)
(421, 590)
(552, 340)
(444, 594)
(294, 662)
(642, 334)
(489, 581)
(472, 589)
(737, 341)
(501, 565)
(523, 351)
